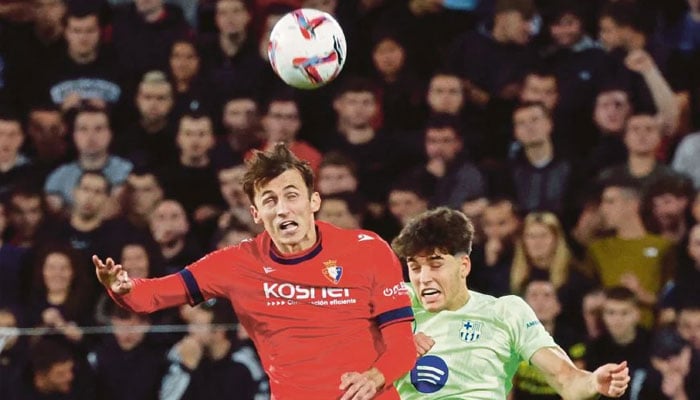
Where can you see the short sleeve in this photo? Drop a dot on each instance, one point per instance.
(527, 333)
(213, 275)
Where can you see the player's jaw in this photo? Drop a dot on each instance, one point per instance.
(433, 298)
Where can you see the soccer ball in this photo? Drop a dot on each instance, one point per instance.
(307, 48)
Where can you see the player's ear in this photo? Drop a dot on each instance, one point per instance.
(315, 201)
(254, 213)
(466, 266)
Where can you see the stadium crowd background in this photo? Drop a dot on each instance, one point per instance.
(564, 129)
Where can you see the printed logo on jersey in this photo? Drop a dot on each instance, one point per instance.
(268, 269)
(430, 374)
(288, 294)
(332, 271)
(470, 331)
(362, 237)
(400, 289)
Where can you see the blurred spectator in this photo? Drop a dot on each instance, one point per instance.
(170, 229)
(48, 145)
(10, 266)
(241, 130)
(530, 383)
(666, 207)
(684, 35)
(642, 139)
(14, 166)
(142, 192)
(399, 88)
(230, 57)
(88, 227)
(231, 235)
(540, 178)
(592, 310)
(192, 87)
(695, 210)
(149, 141)
(336, 174)
(675, 369)
(13, 355)
(406, 200)
(344, 209)
(193, 168)
(86, 71)
(541, 252)
(203, 364)
(62, 295)
(55, 373)
(685, 159)
(447, 177)
(493, 258)
(624, 338)
(281, 123)
(92, 135)
(126, 365)
(26, 212)
(610, 114)
(231, 187)
(633, 258)
(143, 34)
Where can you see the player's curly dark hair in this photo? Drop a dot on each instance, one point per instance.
(267, 165)
(442, 228)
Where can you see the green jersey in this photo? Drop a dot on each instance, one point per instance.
(477, 348)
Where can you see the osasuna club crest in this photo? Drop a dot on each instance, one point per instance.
(332, 271)
(470, 331)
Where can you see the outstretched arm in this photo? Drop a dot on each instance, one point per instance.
(573, 383)
(140, 295)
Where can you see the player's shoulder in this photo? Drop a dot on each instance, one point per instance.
(361, 237)
(500, 306)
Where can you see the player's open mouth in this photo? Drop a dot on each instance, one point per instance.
(430, 294)
(288, 226)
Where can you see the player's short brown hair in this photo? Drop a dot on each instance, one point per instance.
(265, 166)
(441, 229)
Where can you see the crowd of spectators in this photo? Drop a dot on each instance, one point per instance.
(566, 130)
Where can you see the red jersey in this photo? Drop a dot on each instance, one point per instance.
(312, 316)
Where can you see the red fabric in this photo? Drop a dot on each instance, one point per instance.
(311, 316)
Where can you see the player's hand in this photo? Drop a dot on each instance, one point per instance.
(423, 343)
(112, 275)
(612, 379)
(361, 386)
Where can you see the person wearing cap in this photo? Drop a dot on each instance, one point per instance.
(675, 369)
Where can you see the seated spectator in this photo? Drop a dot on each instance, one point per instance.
(54, 373)
(592, 311)
(171, 231)
(666, 207)
(126, 364)
(192, 88)
(27, 214)
(241, 130)
(447, 177)
(541, 252)
(624, 339)
(143, 33)
(204, 364)
(406, 200)
(48, 145)
(92, 135)
(611, 111)
(86, 71)
(149, 141)
(336, 174)
(493, 257)
(688, 322)
(231, 188)
(632, 257)
(674, 369)
(344, 210)
(142, 192)
(15, 167)
(642, 140)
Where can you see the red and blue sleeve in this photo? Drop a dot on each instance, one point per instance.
(389, 295)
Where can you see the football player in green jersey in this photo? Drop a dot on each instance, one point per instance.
(472, 342)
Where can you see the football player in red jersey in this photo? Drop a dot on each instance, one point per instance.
(326, 307)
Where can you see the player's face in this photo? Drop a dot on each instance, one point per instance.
(439, 279)
(286, 209)
(689, 326)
